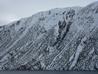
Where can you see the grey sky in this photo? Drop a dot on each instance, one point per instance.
(11, 10)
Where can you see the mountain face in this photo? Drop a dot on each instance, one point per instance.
(58, 39)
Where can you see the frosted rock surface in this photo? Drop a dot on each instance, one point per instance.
(58, 39)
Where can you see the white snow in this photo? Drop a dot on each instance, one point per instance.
(79, 50)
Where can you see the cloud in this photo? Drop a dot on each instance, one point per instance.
(7, 18)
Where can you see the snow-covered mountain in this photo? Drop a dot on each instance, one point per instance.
(58, 39)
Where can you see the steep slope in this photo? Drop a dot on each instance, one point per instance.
(58, 39)
(80, 52)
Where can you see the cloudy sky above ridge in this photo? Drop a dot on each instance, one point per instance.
(11, 10)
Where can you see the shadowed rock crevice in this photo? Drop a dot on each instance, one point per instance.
(64, 27)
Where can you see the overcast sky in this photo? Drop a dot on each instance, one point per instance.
(11, 10)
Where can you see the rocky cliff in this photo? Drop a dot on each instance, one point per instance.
(58, 39)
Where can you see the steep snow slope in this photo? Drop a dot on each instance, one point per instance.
(85, 23)
(58, 39)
